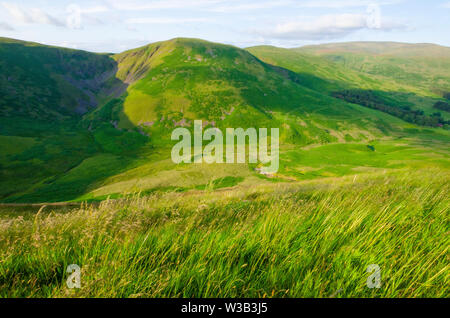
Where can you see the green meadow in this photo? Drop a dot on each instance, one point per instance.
(312, 239)
(86, 175)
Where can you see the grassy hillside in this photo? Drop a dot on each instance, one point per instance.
(420, 65)
(44, 93)
(226, 86)
(408, 76)
(319, 73)
(313, 239)
(122, 146)
(48, 83)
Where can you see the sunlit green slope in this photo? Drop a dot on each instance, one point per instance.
(180, 80)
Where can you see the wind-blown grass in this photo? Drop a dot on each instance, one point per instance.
(312, 239)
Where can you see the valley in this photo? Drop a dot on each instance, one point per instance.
(112, 116)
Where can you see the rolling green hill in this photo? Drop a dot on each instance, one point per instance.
(82, 126)
(174, 82)
(420, 65)
(319, 73)
(47, 83)
(414, 76)
(44, 93)
(424, 66)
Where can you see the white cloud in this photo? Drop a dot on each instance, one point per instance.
(78, 16)
(6, 27)
(165, 20)
(95, 9)
(336, 4)
(141, 5)
(235, 6)
(30, 15)
(446, 5)
(74, 18)
(327, 27)
(238, 7)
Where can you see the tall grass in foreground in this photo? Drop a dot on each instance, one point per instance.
(304, 240)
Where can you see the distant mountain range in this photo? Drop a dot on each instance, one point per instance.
(76, 125)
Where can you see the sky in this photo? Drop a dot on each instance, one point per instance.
(118, 25)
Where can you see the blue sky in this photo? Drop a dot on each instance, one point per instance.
(117, 25)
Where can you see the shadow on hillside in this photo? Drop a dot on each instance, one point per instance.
(406, 106)
(398, 105)
(42, 81)
(77, 153)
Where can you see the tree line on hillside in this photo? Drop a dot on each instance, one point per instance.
(442, 106)
(370, 99)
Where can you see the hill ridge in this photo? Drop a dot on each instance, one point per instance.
(50, 153)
